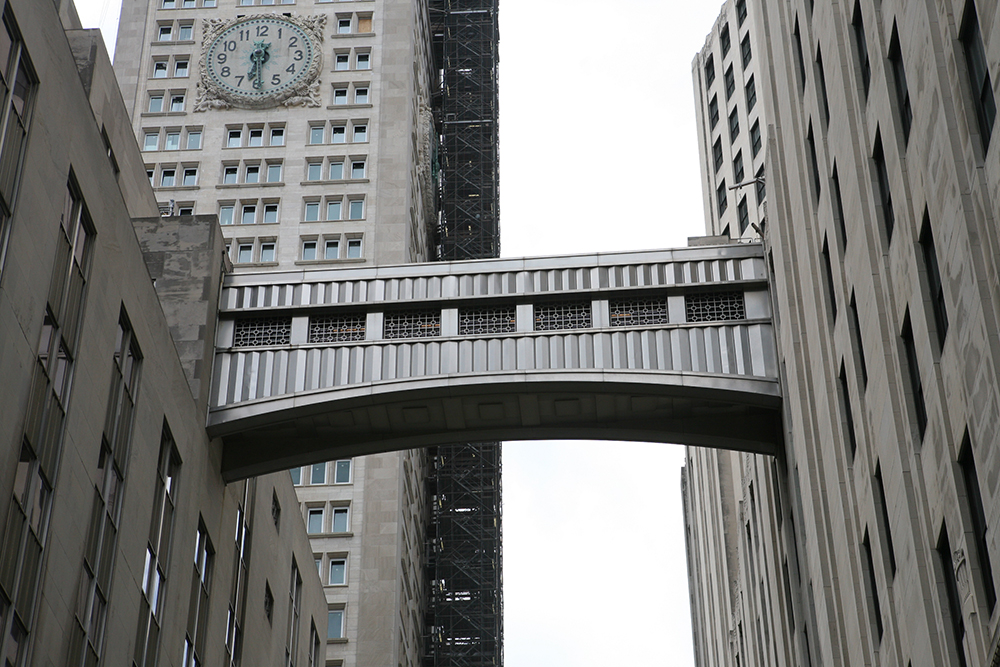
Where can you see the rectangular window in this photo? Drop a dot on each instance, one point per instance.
(738, 167)
(190, 176)
(165, 33)
(225, 215)
(874, 608)
(274, 173)
(899, 78)
(314, 171)
(828, 270)
(277, 136)
(974, 503)
(734, 125)
(845, 399)
(755, 138)
(358, 169)
(312, 211)
(709, 70)
(308, 251)
(761, 186)
(340, 520)
(167, 178)
(821, 86)
(172, 142)
(883, 510)
(270, 213)
(316, 134)
(338, 572)
(799, 59)
(356, 209)
(160, 69)
(980, 83)
(155, 103)
(331, 249)
(249, 215)
(177, 103)
(743, 214)
(361, 95)
(363, 61)
(343, 61)
(338, 134)
(255, 138)
(244, 253)
(229, 175)
(814, 162)
(151, 141)
(360, 133)
(954, 620)
(333, 209)
(721, 197)
(730, 79)
(353, 248)
(336, 171)
(717, 153)
(934, 284)
(340, 95)
(745, 53)
(267, 252)
(882, 183)
(913, 371)
(364, 24)
(314, 521)
(234, 138)
(741, 12)
(838, 206)
(194, 139)
(724, 40)
(344, 26)
(185, 33)
(751, 94)
(861, 46)
(856, 322)
(713, 111)
(180, 68)
(342, 472)
(296, 474)
(335, 624)
(252, 174)
(318, 474)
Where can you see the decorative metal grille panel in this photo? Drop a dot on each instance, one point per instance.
(336, 328)
(715, 307)
(413, 324)
(487, 321)
(254, 331)
(639, 312)
(566, 315)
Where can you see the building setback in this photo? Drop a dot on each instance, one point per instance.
(121, 544)
(873, 539)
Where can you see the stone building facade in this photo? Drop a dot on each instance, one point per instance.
(338, 176)
(121, 543)
(873, 539)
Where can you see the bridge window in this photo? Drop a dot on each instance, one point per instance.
(715, 307)
(487, 321)
(336, 328)
(253, 331)
(639, 312)
(567, 315)
(318, 475)
(413, 324)
(342, 472)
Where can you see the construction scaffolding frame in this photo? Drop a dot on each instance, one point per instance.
(464, 615)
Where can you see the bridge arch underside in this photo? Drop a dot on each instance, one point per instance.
(266, 435)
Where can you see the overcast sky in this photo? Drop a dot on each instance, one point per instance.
(598, 153)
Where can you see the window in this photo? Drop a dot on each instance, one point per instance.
(356, 209)
(882, 184)
(360, 133)
(358, 169)
(314, 522)
(166, 33)
(973, 500)
(185, 210)
(194, 139)
(194, 641)
(730, 82)
(861, 45)
(713, 111)
(151, 141)
(340, 520)
(168, 178)
(717, 153)
(338, 572)
(899, 78)
(858, 340)
(364, 24)
(738, 167)
(342, 472)
(721, 198)
(934, 285)
(979, 75)
(761, 187)
(255, 137)
(274, 173)
(343, 61)
(234, 138)
(332, 249)
(821, 81)
(710, 70)
(185, 32)
(180, 68)
(340, 95)
(751, 92)
(252, 174)
(270, 213)
(155, 103)
(296, 474)
(363, 61)
(249, 215)
(883, 510)
(798, 54)
(874, 608)
(318, 474)
(743, 214)
(333, 209)
(344, 26)
(828, 274)
(169, 4)
(755, 140)
(226, 214)
(745, 52)
(724, 40)
(338, 134)
(361, 95)
(316, 134)
(335, 624)
(952, 604)
(814, 162)
(190, 176)
(277, 136)
(308, 250)
(336, 171)
(734, 125)
(353, 248)
(741, 11)
(173, 141)
(229, 175)
(913, 371)
(160, 69)
(312, 211)
(177, 103)
(314, 171)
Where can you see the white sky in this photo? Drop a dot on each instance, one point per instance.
(598, 152)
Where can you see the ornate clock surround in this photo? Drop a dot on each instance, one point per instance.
(306, 93)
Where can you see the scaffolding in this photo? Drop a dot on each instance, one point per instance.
(464, 615)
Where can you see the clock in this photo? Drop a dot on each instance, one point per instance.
(261, 61)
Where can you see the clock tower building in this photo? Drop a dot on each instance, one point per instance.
(306, 127)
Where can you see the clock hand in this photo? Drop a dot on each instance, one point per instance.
(258, 57)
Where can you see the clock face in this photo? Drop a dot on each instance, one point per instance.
(260, 61)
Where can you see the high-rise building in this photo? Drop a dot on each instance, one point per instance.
(330, 134)
(873, 539)
(120, 542)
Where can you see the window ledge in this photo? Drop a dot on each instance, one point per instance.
(171, 42)
(348, 181)
(160, 188)
(338, 640)
(314, 262)
(311, 535)
(146, 114)
(243, 264)
(237, 186)
(331, 107)
(348, 35)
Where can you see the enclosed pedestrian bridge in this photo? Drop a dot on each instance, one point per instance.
(659, 346)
